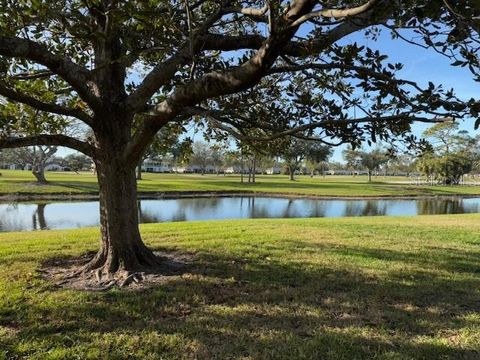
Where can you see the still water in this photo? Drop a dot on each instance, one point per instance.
(65, 215)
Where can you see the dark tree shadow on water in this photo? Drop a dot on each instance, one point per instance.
(234, 307)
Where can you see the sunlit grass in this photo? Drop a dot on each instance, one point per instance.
(351, 288)
(71, 183)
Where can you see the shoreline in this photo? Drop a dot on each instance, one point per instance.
(171, 195)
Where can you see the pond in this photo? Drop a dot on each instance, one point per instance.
(77, 214)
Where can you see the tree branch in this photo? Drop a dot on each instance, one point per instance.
(245, 75)
(33, 75)
(16, 96)
(49, 140)
(218, 122)
(336, 13)
(248, 11)
(75, 75)
(163, 72)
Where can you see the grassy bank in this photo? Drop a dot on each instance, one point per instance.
(22, 182)
(352, 288)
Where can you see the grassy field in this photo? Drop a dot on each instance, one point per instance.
(352, 288)
(63, 182)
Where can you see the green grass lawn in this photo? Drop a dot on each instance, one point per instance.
(65, 182)
(352, 288)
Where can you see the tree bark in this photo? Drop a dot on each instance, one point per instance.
(369, 176)
(241, 168)
(254, 169)
(139, 170)
(39, 172)
(121, 248)
(291, 171)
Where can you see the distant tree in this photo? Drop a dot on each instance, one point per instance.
(351, 160)
(370, 161)
(448, 168)
(249, 157)
(217, 157)
(294, 150)
(37, 158)
(202, 156)
(317, 157)
(446, 137)
(403, 163)
(373, 160)
(336, 166)
(180, 153)
(77, 162)
(233, 159)
(453, 153)
(6, 158)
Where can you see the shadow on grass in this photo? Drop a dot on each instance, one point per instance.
(233, 307)
(81, 187)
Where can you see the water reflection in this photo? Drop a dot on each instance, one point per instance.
(38, 218)
(366, 208)
(63, 215)
(450, 206)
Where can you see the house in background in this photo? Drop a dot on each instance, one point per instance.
(233, 170)
(54, 167)
(156, 167)
(274, 170)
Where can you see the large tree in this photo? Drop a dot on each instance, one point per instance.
(127, 69)
(451, 155)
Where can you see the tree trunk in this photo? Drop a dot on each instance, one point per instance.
(369, 176)
(292, 173)
(241, 168)
(139, 170)
(254, 170)
(39, 172)
(122, 248)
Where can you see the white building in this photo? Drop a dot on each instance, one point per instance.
(54, 167)
(274, 170)
(156, 167)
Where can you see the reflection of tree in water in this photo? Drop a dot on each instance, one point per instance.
(152, 216)
(11, 220)
(441, 206)
(317, 207)
(146, 217)
(366, 208)
(38, 218)
(196, 206)
(3, 218)
(199, 204)
(287, 212)
(255, 210)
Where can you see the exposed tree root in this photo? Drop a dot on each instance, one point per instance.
(92, 275)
